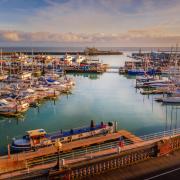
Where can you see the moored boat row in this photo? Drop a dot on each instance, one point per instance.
(18, 96)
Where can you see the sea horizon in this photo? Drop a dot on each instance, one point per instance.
(77, 49)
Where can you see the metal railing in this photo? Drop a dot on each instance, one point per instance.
(74, 154)
(101, 147)
(161, 134)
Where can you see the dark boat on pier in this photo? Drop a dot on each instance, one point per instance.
(38, 138)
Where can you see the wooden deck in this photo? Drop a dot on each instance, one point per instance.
(17, 161)
(131, 137)
(77, 160)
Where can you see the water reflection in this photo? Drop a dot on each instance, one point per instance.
(92, 76)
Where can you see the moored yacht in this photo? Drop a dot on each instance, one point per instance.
(12, 108)
(171, 99)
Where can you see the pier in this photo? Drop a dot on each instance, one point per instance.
(92, 160)
(7, 164)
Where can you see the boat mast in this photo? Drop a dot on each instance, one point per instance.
(32, 68)
(170, 56)
(176, 64)
(21, 60)
(10, 66)
(53, 61)
(1, 60)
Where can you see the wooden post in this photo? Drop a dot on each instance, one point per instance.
(9, 152)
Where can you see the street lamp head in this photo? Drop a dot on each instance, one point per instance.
(58, 144)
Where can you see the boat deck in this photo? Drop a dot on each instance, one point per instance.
(74, 131)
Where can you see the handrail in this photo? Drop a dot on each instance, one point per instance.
(160, 134)
(110, 145)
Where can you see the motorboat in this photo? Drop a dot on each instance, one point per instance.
(171, 99)
(11, 108)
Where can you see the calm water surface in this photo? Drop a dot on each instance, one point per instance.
(107, 97)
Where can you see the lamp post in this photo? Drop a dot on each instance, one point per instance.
(58, 146)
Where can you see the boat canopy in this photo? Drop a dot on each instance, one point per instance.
(36, 132)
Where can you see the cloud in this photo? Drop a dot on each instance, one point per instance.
(12, 36)
(90, 21)
(154, 35)
(107, 16)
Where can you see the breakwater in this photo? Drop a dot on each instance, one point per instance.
(69, 52)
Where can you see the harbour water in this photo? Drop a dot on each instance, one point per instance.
(106, 97)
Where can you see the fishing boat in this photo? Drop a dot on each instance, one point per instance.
(38, 138)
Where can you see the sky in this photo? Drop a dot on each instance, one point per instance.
(114, 23)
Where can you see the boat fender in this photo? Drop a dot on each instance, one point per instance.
(80, 135)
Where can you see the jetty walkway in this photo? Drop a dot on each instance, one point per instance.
(103, 157)
(19, 160)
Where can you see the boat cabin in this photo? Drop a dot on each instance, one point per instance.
(36, 136)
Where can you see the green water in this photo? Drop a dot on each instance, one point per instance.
(106, 97)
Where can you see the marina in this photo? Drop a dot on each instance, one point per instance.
(96, 90)
(55, 102)
(89, 90)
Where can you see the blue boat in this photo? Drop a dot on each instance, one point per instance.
(136, 72)
(141, 72)
(38, 138)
